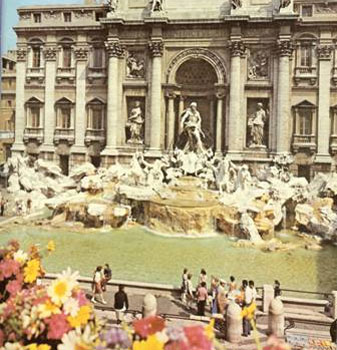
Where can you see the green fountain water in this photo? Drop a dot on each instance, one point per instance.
(138, 255)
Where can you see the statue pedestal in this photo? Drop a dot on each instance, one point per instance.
(261, 148)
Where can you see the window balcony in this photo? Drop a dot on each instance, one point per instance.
(33, 133)
(304, 142)
(64, 135)
(35, 73)
(96, 73)
(333, 144)
(94, 135)
(305, 74)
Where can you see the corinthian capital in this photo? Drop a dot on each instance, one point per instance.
(237, 48)
(285, 47)
(49, 53)
(324, 52)
(114, 48)
(156, 48)
(81, 53)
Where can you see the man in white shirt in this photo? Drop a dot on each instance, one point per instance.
(250, 298)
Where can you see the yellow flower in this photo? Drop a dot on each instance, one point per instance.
(37, 347)
(47, 309)
(81, 318)
(59, 291)
(51, 246)
(152, 343)
(32, 271)
(209, 329)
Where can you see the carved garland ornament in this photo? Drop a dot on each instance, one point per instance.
(21, 54)
(196, 53)
(81, 53)
(114, 49)
(285, 47)
(49, 53)
(324, 52)
(156, 48)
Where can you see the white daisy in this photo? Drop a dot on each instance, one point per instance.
(20, 256)
(71, 307)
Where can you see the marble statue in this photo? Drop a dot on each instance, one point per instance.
(135, 68)
(256, 126)
(286, 6)
(113, 6)
(135, 124)
(236, 4)
(191, 126)
(226, 175)
(244, 179)
(156, 5)
(258, 65)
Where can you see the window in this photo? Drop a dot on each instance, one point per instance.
(98, 57)
(66, 57)
(307, 10)
(97, 118)
(98, 16)
(305, 121)
(306, 55)
(9, 103)
(64, 117)
(34, 117)
(36, 57)
(37, 17)
(67, 16)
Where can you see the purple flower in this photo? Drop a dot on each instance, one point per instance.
(115, 338)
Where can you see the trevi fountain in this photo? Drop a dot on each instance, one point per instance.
(190, 207)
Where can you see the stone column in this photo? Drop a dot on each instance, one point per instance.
(18, 145)
(267, 297)
(49, 110)
(171, 121)
(285, 50)
(323, 136)
(81, 56)
(235, 143)
(115, 51)
(276, 318)
(219, 118)
(156, 49)
(181, 110)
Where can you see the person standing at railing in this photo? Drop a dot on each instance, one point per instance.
(202, 295)
(184, 285)
(121, 304)
(277, 289)
(97, 285)
(107, 273)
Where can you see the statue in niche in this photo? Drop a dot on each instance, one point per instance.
(156, 5)
(284, 4)
(256, 126)
(135, 68)
(135, 124)
(258, 65)
(113, 6)
(192, 136)
(236, 4)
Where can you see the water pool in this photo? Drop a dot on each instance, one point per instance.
(138, 255)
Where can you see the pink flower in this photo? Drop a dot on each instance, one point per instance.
(148, 326)
(58, 326)
(8, 268)
(81, 298)
(177, 345)
(197, 339)
(14, 287)
(2, 338)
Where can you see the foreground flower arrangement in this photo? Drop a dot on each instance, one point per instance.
(59, 316)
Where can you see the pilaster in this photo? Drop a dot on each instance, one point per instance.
(156, 49)
(18, 145)
(81, 57)
(324, 54)
(283, 139)
(115, 52)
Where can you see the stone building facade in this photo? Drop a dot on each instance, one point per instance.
(96, 82)
(7, 103)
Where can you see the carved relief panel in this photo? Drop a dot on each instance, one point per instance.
(258, 64)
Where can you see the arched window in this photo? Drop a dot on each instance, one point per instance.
(64, 113)
(95, 114)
